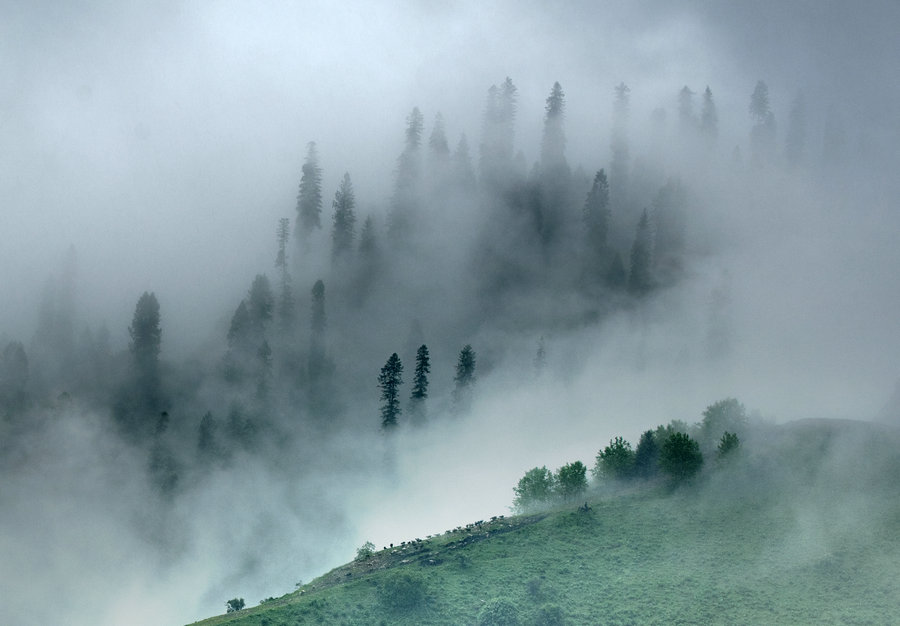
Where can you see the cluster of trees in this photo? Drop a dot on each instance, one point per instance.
(391, 377)
(540, 486)
(287, 357)
(674, 451)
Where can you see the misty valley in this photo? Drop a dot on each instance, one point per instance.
(514, 389)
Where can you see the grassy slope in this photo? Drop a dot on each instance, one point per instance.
(746, 544)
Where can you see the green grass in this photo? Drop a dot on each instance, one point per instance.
(749, 544)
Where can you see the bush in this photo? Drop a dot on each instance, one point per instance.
(549, 615)
(365, 551)
(401, 592)
(680, 456)
(535, 488)
(571, 480)
(615, 461)
(235, 604)
(498, 612)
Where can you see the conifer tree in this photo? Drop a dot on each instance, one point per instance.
(260, 306)
(639, 280)
(437, 142)
(463, 172)
(553, 143)
(408, 179)
(309, 197)
(464, 379)
(686, 119)
(420, 378)
(344, 220)
(389, 381)
(146, 338)
(596, 216)
(285, 297)
(709, 117)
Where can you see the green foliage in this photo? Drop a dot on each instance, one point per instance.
(728, 445)
(365, 551)
(646, 456)
(549, 614)
(535, 488)
(343, 230)
(498, 612)
(571, 480)
(615, 461)
(389, 381)
(234, 605)
(724, 415)
(680, 456)
(401, 592)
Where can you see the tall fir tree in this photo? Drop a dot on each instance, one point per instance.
(408, 179)
(464, 380)
(596, 221)
(309, 197)
(709, 118)
(286, 305)
(639, 279)
(419, 391)
(343, 230)
(389, 381)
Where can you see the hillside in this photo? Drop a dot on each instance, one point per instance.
(806, 529)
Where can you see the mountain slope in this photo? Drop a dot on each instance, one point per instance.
(808, 532)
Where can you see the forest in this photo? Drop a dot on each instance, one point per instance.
(270, 296)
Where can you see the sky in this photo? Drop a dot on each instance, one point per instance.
(164, 141)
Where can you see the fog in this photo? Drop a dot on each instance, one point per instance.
(155, 148)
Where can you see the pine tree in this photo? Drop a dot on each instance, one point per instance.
(463, 172)
(260, 305)
(309, 198)
(420, 378)
(317, 320)
(389, 381)
(498, 134)
(686, 119)
(286, 309)
(709, 117)
(639, 280)
(464, 379)
(762, 135)
(146, 336)
(407, 182)
(596, 217)
(146, 340)
(344, 220)
(553, 143)
(437, 142)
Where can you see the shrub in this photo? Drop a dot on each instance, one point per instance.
(535, 487)
(571, 480)
(680, 456)
(615, 460)
(549, 615)
(401, 592)
(235, 604)
(498, 612)
(365, 551)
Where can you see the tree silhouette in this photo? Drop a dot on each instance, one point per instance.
(389, 381)
(309, 197)
(465, 378)
(344, 220)
(639, 280)
(286, 311)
